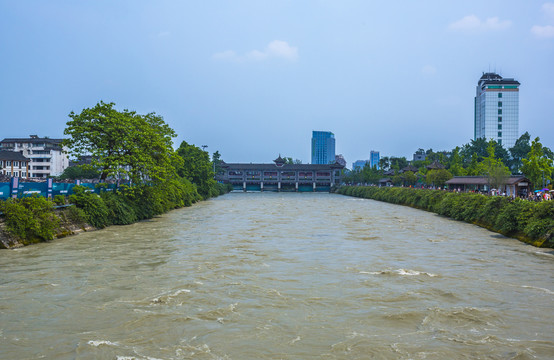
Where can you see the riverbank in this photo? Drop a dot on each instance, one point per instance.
(32, 220)
(527, 221)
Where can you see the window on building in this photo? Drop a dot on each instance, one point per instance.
(500, 104)
(16, 173)
(8, 163)
(499, 126)
(500, 119)
(500, 134)
(499, 141)
(499, 111)
(499, 95)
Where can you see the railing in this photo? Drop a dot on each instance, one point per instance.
(17, 189)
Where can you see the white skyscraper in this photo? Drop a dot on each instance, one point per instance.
(497, 109)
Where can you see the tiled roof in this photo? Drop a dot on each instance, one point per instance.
(12, 156)
(284, 167)
(482, 180)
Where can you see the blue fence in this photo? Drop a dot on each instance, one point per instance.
(15, 188)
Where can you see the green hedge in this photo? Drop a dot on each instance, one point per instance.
(33, 219)
(30, 219)
(528, 221)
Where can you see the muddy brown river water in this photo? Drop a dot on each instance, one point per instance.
(280, 276)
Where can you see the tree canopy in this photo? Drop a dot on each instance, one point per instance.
(122, 143)
(537, 165)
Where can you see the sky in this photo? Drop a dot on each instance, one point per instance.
(253, 79)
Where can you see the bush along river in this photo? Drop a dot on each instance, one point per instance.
(280, 276)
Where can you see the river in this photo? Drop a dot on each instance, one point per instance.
(280, 276)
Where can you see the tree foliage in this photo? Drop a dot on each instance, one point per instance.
(537, 165)
(197, 168)
(122, 143)
(493, 168)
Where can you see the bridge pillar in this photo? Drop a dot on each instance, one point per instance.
(296, 186)
(262, 186)
(244, 186)
(279, 186)
(314, 186)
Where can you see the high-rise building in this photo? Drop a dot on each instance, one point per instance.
(359, 164)
(497, 109)
(374, 158)
(323, 147)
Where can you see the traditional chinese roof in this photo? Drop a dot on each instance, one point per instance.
(279, 161)
(435, 165)
(483, 180)
(12, 156)
(284, 167)
(410, 168)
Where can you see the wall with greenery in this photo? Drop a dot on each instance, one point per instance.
(528, 221)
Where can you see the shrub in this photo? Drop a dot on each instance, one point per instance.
(31, 218)
(93, 206)
(59, 199)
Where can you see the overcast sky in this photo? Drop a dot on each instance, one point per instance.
(252, 79)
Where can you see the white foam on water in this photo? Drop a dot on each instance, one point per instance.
(402, 272)
(102, 342)
(538, 288)
(178, 292)
(296, 339)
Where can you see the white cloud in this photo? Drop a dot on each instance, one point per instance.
(282, 49)
(543, 31)
(548, 8)
(275, 49)
(473, 23)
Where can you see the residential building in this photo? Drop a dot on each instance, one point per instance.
(497, 109)
(323, 147)
(374, 158)
(13, 164)
(359, 164)
(47, 158)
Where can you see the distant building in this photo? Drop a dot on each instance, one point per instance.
(340, 159)
(47, 158)
(418, 156)
(374, 158)
(280, 176)
(323, 147)
(13, 164)
(497, 109)
(359, 164)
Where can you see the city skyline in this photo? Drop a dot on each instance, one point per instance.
(252, 80)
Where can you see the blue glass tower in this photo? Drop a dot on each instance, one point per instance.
(323, 147)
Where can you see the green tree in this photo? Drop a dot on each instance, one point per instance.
(479, 147)
(197, 168)
(438, 177)
(519, 151)
(370, 174)
(79, 172)
(122, 143)
(455, 165)
(384, 163)
(537, 166)
(216, 161)
(493, 168)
